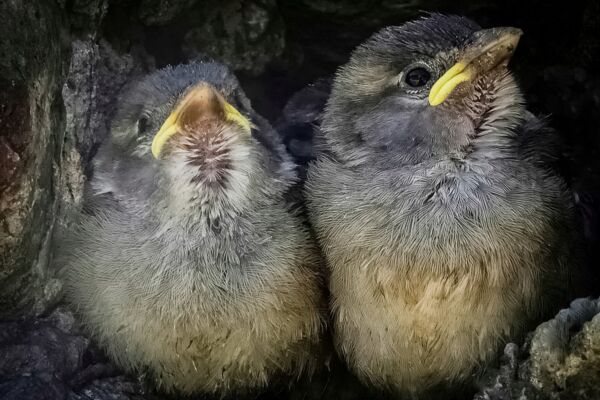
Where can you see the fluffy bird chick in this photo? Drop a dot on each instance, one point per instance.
(444, 224)
(187, 262)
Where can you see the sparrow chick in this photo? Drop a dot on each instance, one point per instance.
(444, 225)
(187, 262)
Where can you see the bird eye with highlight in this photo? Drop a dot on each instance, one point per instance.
(143, 125)
(417, 77)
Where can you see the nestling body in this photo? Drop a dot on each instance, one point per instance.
(445, 228)
(188, 262)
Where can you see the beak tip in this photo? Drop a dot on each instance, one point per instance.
(509, 35)
(514, 34)
(155, 151)
(516, 31)
(433, 102)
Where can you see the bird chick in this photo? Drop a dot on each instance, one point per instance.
(187, 262)
(445, 226)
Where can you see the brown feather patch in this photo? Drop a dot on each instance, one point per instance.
(207, 148)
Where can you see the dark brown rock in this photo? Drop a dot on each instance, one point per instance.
(159, 12)
(85, 15)
(32, 56)
(246, 35)
(96, 75)
(48, 358)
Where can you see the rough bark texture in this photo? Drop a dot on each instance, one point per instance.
(63, 62)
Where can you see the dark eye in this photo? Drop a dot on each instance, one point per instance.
(417, 77)
(143, 125)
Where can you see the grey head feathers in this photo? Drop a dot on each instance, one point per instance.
(372, 109)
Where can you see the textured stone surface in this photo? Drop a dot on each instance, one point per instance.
(159, 12)
(32, 58)
(246, 35)
(96, 75)
(559, 361)
(48, 131)
(47, 358)
(85, 15)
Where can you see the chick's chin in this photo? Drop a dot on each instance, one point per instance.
(208, 153)
(208, 165)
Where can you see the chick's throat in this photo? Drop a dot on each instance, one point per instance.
(202, 102)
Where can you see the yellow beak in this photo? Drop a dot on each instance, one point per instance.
(201, 102)
(490, 48)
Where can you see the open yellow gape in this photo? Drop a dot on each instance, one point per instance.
(202, 102)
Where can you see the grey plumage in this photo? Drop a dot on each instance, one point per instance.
(445, 228)
(193, 267)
